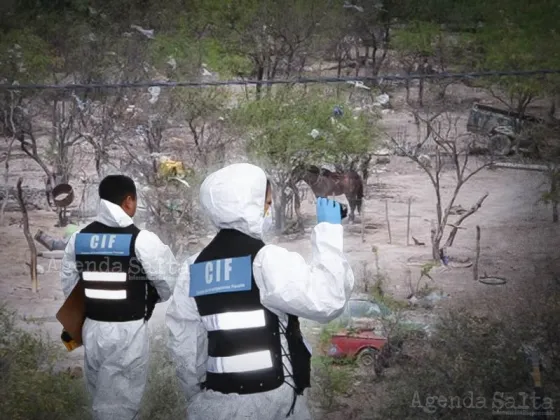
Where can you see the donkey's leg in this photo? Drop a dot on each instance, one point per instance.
(352, 205)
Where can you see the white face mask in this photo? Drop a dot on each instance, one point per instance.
(268, 225)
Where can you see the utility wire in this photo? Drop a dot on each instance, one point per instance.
(316, 80)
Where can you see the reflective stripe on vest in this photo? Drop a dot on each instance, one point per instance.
(103, 276)
(234, 320)
(106, 294)
(241, 363)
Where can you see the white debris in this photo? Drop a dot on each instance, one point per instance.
(154, 91)
(148, 33)
(382, 100)
(172, 62)
(353, 6)
(205, 72)
(314, 133)
(358, 84)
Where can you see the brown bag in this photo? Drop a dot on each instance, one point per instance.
(72, 313)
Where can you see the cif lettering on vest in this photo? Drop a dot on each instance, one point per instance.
(217, 265)
(107, 241)
(103, 244)
(226, 275)
(101, 268)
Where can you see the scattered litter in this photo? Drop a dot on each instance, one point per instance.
(430, 300)
(493, 280)
(154, 91)
(358, 84)
(148, 33)
(353, 6)
(314, 133)
(381, 100)
(172, 62)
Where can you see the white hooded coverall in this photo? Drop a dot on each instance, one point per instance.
(116, 353)
(234, 198)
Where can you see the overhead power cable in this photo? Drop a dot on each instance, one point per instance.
(309, 80)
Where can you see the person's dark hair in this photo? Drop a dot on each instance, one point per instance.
(115, 188)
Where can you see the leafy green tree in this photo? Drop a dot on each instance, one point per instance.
(294, 129)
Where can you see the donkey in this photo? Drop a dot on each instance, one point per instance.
(325, 183)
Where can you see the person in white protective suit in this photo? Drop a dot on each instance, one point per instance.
(233, 317)
(125, 272)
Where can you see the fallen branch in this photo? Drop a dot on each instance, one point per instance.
(461, 219)
(27, 233)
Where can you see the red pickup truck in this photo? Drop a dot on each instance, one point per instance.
(363, 345)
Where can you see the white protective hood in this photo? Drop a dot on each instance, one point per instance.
(233, 197)
(116, 354)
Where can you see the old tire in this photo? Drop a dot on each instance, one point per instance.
(367, 357)
(500, 145)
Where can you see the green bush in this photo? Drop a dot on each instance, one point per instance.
(467, 357)
(330, 379)
(30, 388)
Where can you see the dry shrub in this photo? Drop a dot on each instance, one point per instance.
(163, 398)
(477, 357)
(30, 388)
(329, 381)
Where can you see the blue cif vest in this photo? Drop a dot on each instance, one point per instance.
(115, 283)
(244, 346)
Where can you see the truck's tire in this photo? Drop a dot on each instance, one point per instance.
(367, 357)
(500, 145)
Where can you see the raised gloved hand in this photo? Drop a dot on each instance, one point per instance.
(328, 211)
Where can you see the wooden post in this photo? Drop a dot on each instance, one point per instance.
(477, 257)
(27, 233)
(387, 220)
(408, 222)
(362, 219)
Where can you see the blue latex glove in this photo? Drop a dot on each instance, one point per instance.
(328, 211)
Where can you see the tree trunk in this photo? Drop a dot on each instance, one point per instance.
(260, 77)
(554, 195)
(6, 181)
(436, 236)
(280, 212)
(27, 233)
(297, 206)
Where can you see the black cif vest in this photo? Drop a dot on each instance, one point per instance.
(239, 324)
(115, 283)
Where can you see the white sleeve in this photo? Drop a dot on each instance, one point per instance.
(187, 342)
(69, 274)
(318, 291)
(158, 262)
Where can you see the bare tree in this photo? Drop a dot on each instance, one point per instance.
(449, 150)
(546, 138)
(9, 124)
